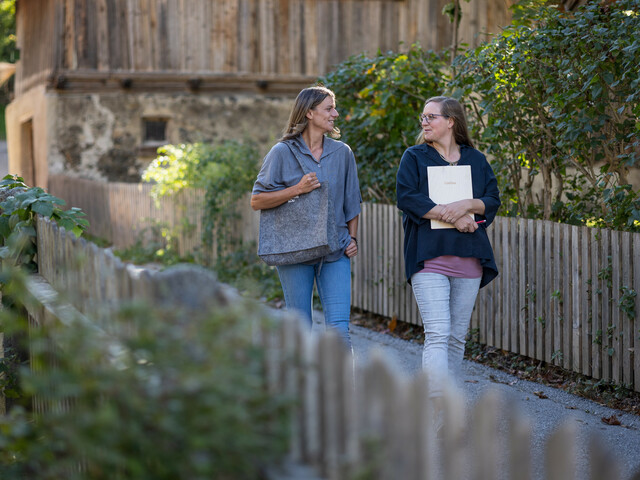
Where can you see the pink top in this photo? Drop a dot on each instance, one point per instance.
(452, 266)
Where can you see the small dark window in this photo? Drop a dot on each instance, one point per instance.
(155, 130)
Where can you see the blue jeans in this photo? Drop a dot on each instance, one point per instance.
(445, 305)
(333, 280)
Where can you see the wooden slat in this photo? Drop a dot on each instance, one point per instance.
(605, 325)
(585, 288)
(560, 294)
(596, 307)
(342, 29)
(519, 285)
(119, 52)
(311, 27)
(514, 300)
(566, 296)
(366, 270)
(507, 253)
(487, 329)
(576, 312)
(267, 40)
(550, 302)
(530, 289)
(378, 260)
(230, 35)
(247, 46)
(102, 35)
(85, 35)
(173, 43)
(388, 271)
(324, 11)
(635, 251)
(626, 321)
(616, 320)
(283, 40)
(540, 293)
(71, 59)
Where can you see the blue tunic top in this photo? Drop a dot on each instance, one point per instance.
(337, 166)
(420, 241)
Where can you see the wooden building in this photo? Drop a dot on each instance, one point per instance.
(101, 83)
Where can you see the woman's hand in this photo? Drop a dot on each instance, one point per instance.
(452, 212)
(308, 183)
(465, 224)
(352, 248)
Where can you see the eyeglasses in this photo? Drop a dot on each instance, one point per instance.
(430, 117)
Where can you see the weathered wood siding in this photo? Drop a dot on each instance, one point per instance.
(565, 295)
(265, 37)
(36, 40)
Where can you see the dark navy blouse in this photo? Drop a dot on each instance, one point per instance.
(420, 241)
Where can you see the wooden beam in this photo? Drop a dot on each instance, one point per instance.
(97, 82)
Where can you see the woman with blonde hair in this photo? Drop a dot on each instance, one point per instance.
(307, 142)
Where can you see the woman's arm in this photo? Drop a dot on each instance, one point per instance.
(452, 212)
(410, 199)
(266, 200)
(352, 248)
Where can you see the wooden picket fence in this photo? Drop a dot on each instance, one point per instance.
(565, 295)
(347, 423)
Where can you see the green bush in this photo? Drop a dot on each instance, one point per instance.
(164, 395)
(243, 269)
(379, 100)
(19, 205)
(157, 243)
(225, 171)
(556, 96)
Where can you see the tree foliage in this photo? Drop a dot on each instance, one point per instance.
(379, 100)
(8, 49)
(554, 100)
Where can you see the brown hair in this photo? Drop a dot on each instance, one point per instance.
(451, 108)
(307, 99)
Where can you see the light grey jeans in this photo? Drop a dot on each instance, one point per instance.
(445, 305)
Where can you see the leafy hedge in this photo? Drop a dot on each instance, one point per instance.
(19, 205)
(225, 171)
(379, 100)
(555, 97)
(553, 100)
(164, 395)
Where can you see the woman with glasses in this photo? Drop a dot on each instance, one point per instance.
(446, 263)
(281, 178)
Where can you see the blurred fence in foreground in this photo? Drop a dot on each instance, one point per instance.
(347, 423)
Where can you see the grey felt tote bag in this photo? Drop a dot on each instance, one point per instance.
(300, 230)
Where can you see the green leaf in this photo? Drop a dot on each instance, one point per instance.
(43, 208)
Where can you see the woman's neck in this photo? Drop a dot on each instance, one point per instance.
(449, 151)
(315, 142)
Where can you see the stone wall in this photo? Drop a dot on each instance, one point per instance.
(102, 136)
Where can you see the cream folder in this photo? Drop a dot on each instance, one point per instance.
(449, 184)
